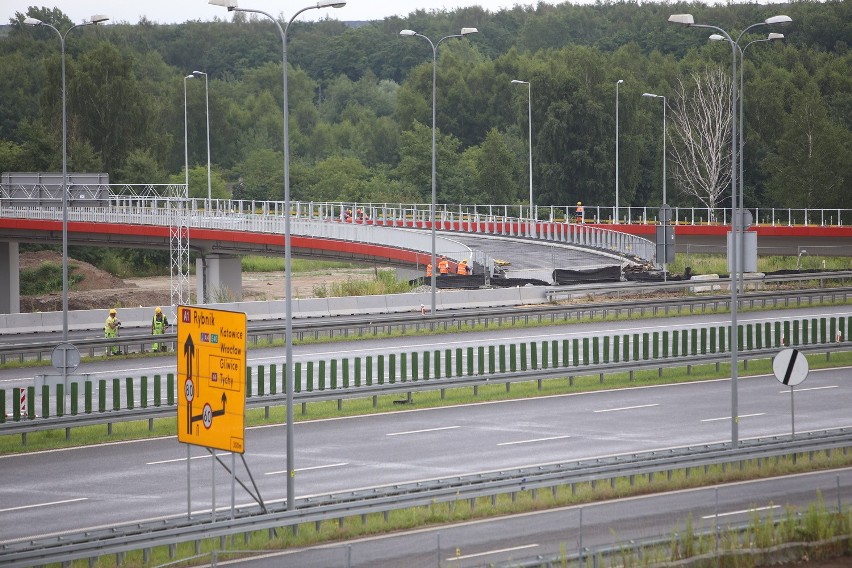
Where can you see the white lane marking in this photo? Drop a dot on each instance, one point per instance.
(810, 389)
(626, 408)
(308, 468)
(22, 507)
(486, 553)
(728, 417)
(421, 431)
(184, 459)
(744, 511)
(533, 440)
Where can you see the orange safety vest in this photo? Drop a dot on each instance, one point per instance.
(428, 270)
(444, 267)
(462, 269)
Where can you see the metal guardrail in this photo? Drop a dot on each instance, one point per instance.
(136, 536)
(375, 324)
(68, 421)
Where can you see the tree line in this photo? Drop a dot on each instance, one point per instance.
(361, 106)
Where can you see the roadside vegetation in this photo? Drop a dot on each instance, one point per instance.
(706, 263)
(384, 282)
(46, 278)
(254, 263)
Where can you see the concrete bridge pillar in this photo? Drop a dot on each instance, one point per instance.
(10, 279)
(219, 277)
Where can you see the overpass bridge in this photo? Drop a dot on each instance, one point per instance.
(221, 231)
(391, 234)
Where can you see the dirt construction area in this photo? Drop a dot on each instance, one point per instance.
(99, 289)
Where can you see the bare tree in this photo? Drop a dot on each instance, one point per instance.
(701, 136)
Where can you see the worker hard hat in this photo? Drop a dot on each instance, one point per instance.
(158, 310)
(579, 203)
(112, 312)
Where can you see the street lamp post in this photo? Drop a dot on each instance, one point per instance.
(663, 220)
(231, 5)
(434, 46)
(620, 81)
(531, 231)
(689, 21)
(653, 96)
(770, 37)
(207, 111)
(30, 21)
(185, 135)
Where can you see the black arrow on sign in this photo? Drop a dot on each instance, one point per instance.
(221, 412)
(213, 414)
(189, 354)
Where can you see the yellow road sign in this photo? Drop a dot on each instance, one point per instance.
(211, 362)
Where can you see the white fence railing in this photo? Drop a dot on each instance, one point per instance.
(154, 205)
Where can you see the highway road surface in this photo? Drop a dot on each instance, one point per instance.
(71, 490)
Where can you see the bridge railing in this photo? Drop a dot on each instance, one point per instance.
(162, 194)
(153, 205)
(483, 220)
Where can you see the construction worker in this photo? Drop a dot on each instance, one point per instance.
(429, 270)
(443, 266)
(462, 269)
(158, 327)
(580, 215)
(111, 330)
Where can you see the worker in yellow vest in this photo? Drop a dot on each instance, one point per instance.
(111, 330)
(158, 327)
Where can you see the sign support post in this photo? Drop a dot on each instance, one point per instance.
(792, 412)
(790, 368)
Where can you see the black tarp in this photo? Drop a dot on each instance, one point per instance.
(516, 282)
(565, 276)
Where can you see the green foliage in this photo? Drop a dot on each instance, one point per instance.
(360, 103)
(272, 264)
(263, 176)
(46, 278)
(141, 167)
(198, 183)
(702, 263)
(385, 282)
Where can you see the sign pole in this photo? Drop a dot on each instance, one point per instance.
(188, 486)
(213, 486)
(792, 412)
(233, 482)
(790, 368)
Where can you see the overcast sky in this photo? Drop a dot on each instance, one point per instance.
(178, 11)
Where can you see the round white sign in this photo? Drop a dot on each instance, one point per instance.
(790, 367)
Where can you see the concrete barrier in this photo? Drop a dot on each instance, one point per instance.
(706, 288)
(82, 320)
